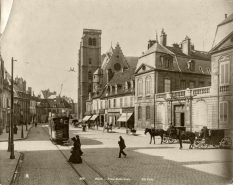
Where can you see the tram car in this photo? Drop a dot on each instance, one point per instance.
(59, 129)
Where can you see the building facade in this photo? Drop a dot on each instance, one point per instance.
(166, 69)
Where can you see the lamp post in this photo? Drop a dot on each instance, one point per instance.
(12, 156)
(9, 130)
(21, 113)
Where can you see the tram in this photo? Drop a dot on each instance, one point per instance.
(59, 129)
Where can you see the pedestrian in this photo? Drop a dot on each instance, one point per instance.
(75, 156)
(122, 147)
(35, 123)
(79, 144)
(15, 129)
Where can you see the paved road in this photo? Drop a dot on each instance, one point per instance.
(145, 164)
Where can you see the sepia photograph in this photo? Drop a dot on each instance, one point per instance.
(106, 92)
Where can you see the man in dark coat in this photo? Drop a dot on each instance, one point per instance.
(122, 147)
(79, 144)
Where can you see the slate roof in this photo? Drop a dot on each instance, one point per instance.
(226, 20)
(224, 29)
(195, 54)
(157, 48)
(132, 61)
(59, 102)
(121, 77)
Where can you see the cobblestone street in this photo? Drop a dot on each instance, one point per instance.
(43, 163)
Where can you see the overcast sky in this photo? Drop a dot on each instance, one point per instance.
(44, 35)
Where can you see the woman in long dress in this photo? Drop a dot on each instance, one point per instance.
(75, 156)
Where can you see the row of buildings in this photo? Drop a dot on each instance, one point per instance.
(28, 108)
(166, 84)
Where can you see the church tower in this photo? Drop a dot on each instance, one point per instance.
(89, 60)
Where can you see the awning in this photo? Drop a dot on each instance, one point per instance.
(86, 118)
(124, 117)
(94, 117)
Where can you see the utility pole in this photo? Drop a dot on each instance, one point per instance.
(12, 156)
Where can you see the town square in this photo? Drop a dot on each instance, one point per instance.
(114, 92)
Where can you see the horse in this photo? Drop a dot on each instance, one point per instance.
(155, 132)
(183, 135)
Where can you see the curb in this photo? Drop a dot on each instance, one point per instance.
(20, 138)
(17, 169)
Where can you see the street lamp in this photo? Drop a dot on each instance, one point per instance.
(12, 156)
(9, 130)
(21, 113)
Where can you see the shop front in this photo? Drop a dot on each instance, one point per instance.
(126, 119)
(113, 116)
(101, 117)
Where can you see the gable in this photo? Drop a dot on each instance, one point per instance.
(117, 60)
(144, 68)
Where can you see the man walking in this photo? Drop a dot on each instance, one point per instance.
(122, 147)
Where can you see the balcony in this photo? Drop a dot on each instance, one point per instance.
(203, 90)
(224, 88)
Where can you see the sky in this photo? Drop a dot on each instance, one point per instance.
(44, 35)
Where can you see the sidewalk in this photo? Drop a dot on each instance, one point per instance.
(7, 165)
(4, 136)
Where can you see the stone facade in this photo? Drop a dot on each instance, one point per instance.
(165, 69)
(89, 61)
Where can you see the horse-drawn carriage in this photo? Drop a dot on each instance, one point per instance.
(214, 137)
(170, 136)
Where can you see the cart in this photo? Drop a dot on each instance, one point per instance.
(214, 137)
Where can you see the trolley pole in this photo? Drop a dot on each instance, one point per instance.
(12, 156)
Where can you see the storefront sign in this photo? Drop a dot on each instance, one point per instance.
(114, 110)
(128, 110)
(101, 111)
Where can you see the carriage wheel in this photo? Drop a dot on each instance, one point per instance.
(204, 144)
(196, 143)
(226, 142)
(170, 140)
(165, 139)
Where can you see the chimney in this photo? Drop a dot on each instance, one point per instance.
(24, 86)
(192, 46)
(225, 16)
(175, 45)
(163, 38)
(151, 43)
(186, 46)
(30, 90)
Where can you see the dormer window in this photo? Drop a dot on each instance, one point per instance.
(191, 65)
(166, 61)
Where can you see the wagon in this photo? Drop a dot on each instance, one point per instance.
(214, 137)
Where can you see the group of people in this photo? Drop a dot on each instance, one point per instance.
(77, 152)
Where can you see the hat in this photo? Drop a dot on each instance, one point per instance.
(77, 135)
(73, 138)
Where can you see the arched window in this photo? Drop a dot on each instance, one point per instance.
(148, 85)
(90, 41)
(94, 41)
(139, 112)
(89, 75)
(147, 112)
(140, 87)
